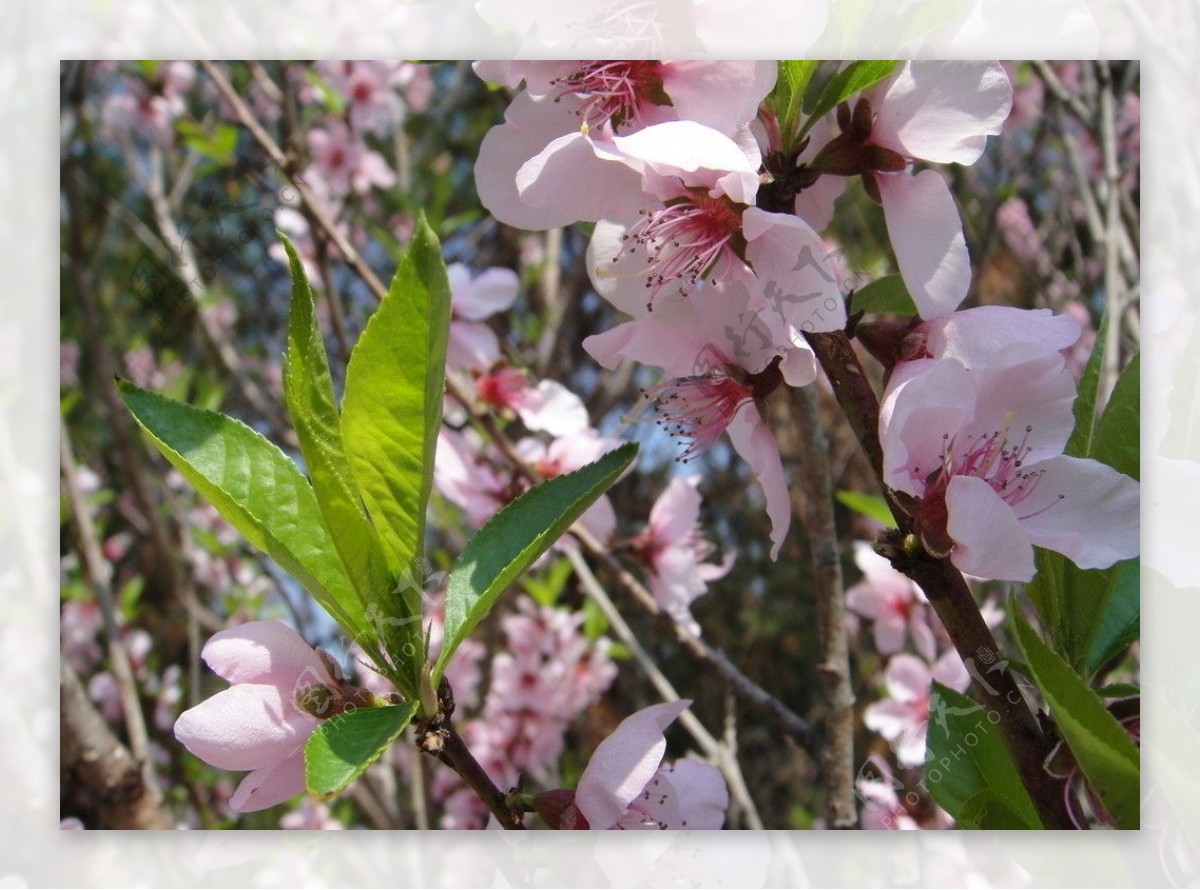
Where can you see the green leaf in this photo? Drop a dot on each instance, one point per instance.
(1119, 690)
(392, 408)
(1047, 592)
(1080, 443)
(514, 538)
(788, 95)
(854, 78)
(1110, 609)
(341, 748)
(969, 771)
(986, 811)
(1104, 750)
(547, 587)
(257, 489)
(308, 391)
(1116, 440)
(595, 622)
(1092, 615)
(868, 505)
(218, 146)
(886, 294)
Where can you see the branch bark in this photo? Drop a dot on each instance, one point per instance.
(816, 487)
(93, 758)
(947, 591)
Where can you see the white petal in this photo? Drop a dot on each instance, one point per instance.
(989, 542)
(943, 111)
(926, 234)
(798, 281)
(553, 408)
(624, 763)
(1094, 523)
(262, 652)
(753, 440)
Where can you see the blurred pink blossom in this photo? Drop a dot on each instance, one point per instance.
(674, 550)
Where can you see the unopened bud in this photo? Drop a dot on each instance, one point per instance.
(557, 809)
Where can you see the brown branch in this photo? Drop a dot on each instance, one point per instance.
(438, 737)
(816, 490)
(995, 689)
(943, 584)
(94, 761)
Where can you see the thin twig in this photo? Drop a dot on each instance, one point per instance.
(98, 574)
(549, 286)
(1113, 227)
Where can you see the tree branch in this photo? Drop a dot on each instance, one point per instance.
(91, 756)
(943, 584)
(816, 488)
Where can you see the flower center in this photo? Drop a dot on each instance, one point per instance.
(613, 92)
(992, 457)
(501, 387)
(696, 410)
(685, 241)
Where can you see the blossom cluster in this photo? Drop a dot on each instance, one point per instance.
(712, 247)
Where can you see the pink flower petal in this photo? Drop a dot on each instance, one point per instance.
(262, 652)
(913, 417)
(552, 408)
(973, 336)
(676, 511)
(697, 155)
(492, 291)
(650, 342)
(752, 439)
(942, 111)
(270, 785)
(701, 793)
(1094, 523)
(888, 717)
(926, 234)
(718, 94)
(471, 345)
(890, 633)
(246, 726)
(1025, 386)
(624, 763)
(907, 678)
(574, 179)
(796, 278)
(989, 541)
(528, 126)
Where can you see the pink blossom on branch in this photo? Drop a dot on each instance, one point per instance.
(281, 691)
(559, 129)
(547, 406)
(903, 716)
(721, 358)
(472, 344)
(933, 112)
(697, 223)
(980, 452)
(627, 786)
(893, 602)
